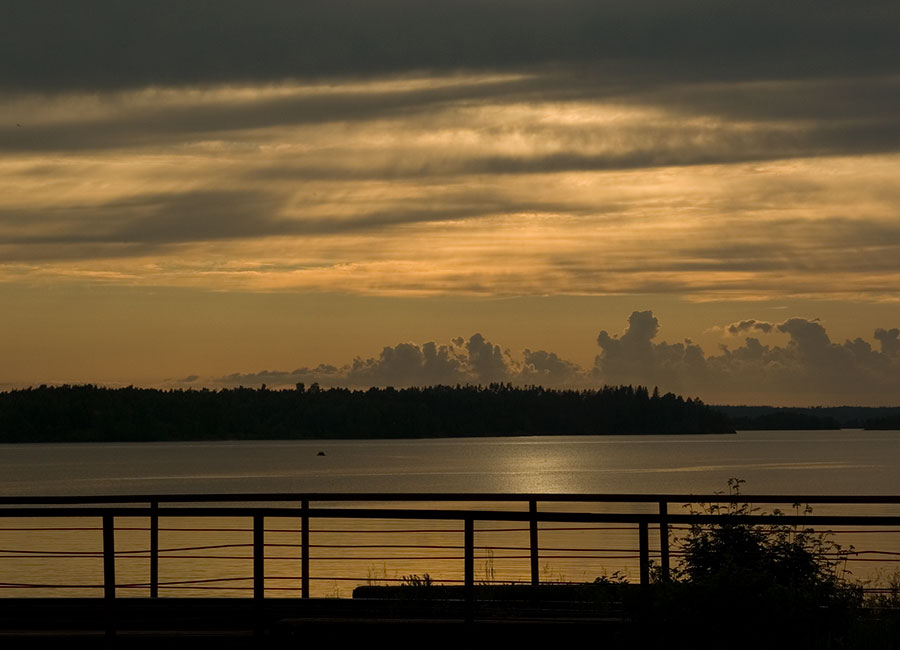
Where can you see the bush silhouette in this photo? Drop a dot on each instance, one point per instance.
(760, 557)
(761, 582)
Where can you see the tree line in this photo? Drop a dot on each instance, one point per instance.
(94, 413)
(757, 418)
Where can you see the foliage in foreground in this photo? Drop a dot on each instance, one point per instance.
(739, 584)
(768, 582)
(761, 557)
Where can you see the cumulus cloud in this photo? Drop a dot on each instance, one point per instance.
(487, 361)
(548, 369)
(890, 341)
(409, 364)
(474, 360)
(807, 368)
(748, 325)
(634, 358)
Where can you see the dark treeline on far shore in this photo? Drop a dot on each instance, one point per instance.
(92, 413)
(769, 418)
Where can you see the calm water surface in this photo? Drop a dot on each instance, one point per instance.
(848, 461)
(815, 462)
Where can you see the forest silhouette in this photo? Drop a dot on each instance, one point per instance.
(93, 413)
(90, 413)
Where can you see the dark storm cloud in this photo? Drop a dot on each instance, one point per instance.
(802, 118)
(101, 44)
(145, 220)
(688, 145)
(812, 78)
(826, 244)
(669, 145)
(157, 123)
(836, 98)
(141, 224)
(664, 145)
(195, 216)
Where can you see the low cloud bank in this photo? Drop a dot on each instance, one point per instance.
(806, 369)
(809, 368)
(461, 361)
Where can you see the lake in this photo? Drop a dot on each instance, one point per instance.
(811, 462)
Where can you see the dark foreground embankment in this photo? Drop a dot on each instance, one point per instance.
(357, 619)
(641, 620)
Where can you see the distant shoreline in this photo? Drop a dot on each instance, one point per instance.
(96, 414)
(783, 418)
(90, 413)
(359, 439)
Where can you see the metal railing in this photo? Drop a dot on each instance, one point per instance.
(323, 506)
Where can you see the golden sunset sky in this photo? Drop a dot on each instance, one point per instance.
(699, 195)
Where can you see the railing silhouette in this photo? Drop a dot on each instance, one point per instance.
(320, 506)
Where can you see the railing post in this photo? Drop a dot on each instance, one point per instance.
(533, 533)
(259, 577)
(644, 552)
(664, 540)
(109, 557)
(304, 549)
(154, 549)
(470, 569)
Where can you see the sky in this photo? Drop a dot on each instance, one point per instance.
(699, 195)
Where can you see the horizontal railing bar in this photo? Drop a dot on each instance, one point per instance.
(456, 496)
(29, 585)
(349, 531)
(143, 555)
(323, 558)
(480, 515)
(446, 513)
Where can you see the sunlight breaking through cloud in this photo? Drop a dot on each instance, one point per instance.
(698, 152)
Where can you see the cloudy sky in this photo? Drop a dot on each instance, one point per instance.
(697, 194)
